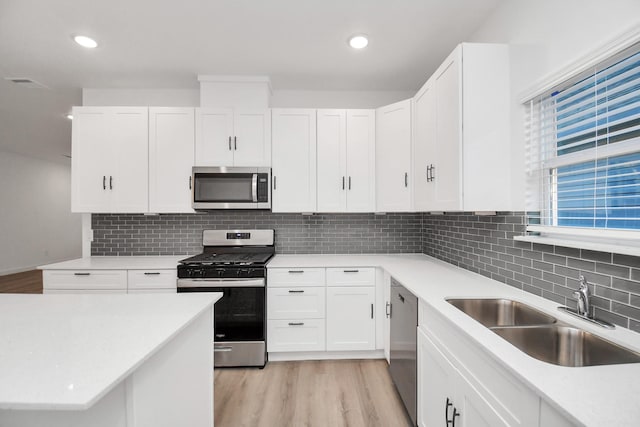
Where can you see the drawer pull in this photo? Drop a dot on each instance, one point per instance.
(296, 323)
(82, 274)
(295, 291)
(153, 273)
(296, 271)
(351, 271)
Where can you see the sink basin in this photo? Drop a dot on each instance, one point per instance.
(501, 312)
(566, 346)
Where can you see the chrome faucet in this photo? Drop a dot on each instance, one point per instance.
(583, 296)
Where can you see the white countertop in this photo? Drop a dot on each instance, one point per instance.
(117, 263)
(594, 396)
(65, 352)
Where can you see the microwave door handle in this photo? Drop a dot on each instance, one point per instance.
(254, 187)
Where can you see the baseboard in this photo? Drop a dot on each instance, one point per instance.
(325, 355)
(17, 270)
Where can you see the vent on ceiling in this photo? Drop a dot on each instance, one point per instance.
(26, 82)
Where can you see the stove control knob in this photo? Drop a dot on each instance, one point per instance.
(220, 272)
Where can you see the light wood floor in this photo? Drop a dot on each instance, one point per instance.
(29, 282)
(332, 393)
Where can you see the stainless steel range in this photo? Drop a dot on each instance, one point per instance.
(233, 262)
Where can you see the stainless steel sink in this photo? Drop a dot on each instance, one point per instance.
(567, 346)
(501, 312)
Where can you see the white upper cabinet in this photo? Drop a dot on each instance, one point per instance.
(293, 160)
(461, 154)
(171, 155)
(110, 159)
(346, 150)
(393, 157)
(233, 137)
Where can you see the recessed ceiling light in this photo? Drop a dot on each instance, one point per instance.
(70, 116)
(358, 41)
(85, 41)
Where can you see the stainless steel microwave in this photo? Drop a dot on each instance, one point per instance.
(231, 188)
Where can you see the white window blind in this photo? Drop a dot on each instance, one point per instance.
(583, 150)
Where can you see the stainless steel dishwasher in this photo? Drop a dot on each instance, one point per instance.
(403, 364)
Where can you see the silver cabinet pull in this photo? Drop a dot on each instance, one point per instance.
(296, 271)
(350, 271)
(190, 180)
(235, 143)
(296, 323)
(151, 273)
(406, 179)
(293, 291)
(274, 182)
(82, 274)
(349, 183)
(433, 176)
(388, 309)
(343, 182)
(229, 143)
(372, 311)
(104, 182)
(110, 182)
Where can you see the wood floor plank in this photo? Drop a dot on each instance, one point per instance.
(28, 282)
(336, 393)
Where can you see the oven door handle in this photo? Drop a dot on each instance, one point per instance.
(254, 187)
(221, 283)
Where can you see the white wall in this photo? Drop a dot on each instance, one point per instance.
(336, 98)
(36, 223)
(545, 37)
(141, 97)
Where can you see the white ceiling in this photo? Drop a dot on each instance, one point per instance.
(300, 44)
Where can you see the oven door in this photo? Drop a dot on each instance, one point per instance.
(239, 321)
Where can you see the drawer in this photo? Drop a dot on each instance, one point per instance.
(153, 291)
(296, 335)
(84, 279)
(152, 279)
(295, 277)
(84, 291)
(296, 302)
(351, 276)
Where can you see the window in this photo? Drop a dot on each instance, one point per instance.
(583, 150)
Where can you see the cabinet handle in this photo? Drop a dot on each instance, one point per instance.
(296, 323)
(274, 182)
(296, 271)
(82, 274)
(229, 143)
(110, 182)
(406, 179)
(433, 176)
(104, 182)
(190, 179)
(343, 182)
(235, 143)
(151, 273)
(295, 292)
(387, 309)
(455, 414)
(446, 411)
(372, 311)
(349, 183)
(428, 173)
(350, 271)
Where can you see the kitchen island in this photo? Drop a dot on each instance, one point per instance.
(106, 360)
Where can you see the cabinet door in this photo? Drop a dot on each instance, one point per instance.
(393, 157)
(129, 182)
(361, 138)
(214, 137)
(474, 410)
(252, 138)
(293, 160)
(436, 384)
(350, 318)
(448, 169)
(332, 161)
(296, 303)
(92, 156)
(424, 150)
(171, 155)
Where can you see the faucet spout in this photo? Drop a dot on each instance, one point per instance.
(583, 295)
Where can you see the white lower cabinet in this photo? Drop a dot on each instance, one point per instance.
(295, 335)
(109, 281)
(350, 318)
(445, 397)
(296, 302)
